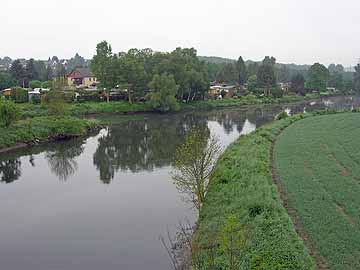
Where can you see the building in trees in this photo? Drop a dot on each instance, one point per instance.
(81, 77)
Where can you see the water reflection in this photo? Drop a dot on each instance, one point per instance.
(62, 158)
(147, 144)
(10, 170)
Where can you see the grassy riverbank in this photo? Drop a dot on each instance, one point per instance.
(318, 163)
(124, 107)
(39, 129)
(242, 186)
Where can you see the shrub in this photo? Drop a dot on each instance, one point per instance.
(19, 95)
(55, 101)
(282, 115)
(35, 84)
(9, 112)
(46, 84)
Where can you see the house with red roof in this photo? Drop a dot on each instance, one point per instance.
(81, 77)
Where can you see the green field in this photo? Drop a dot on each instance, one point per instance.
(318, 162)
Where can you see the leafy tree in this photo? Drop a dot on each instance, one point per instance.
(46, 84)
(229, 74)
(18, 72)
(164, 89)
(266, 76)
(252, 68)
(102, 65)
(60, 70)
(232, 241)
(49, 74)
(252, 83)
(242, 71)
(35, 84)
(318, 77)
(357, 78)
(6, 80)
(298, 84)
(133, 73)
(194, 164)
(41, 71)
(19, 95)
(30, 71)
(9, 112)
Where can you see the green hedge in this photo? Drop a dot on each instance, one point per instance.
(242, 186)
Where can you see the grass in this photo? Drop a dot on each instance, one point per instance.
(318, 161)
(78, 109)
(242, 186)
(44, 129)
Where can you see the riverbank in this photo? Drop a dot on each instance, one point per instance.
(123, 107)
(245, 185)
(242, 186)
(43, 129)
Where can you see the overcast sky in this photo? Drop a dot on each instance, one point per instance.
(299, 31)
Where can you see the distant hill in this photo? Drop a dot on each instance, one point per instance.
(216, 59)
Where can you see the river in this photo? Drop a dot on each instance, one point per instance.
(102, 202)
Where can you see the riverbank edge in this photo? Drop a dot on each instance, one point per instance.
(56, 131)
(243, 185)
(246, 184)
(125, 108)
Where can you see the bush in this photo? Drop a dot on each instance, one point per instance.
(282, 115)
(9, 112)
(46, 84)
(55, 101)
(19, 95)
(35, 84)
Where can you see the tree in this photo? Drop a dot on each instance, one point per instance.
(133, 73)
(49, 74)
(229, 74)
(266, 76)
(357, 78)
(252, 83)
(35, 84)
(242, 71)
(6, 80)
(164, 89)
(298, 84)
(18, 72)
(194, 164)
(102, 65)
(19, 95)
(318, 78)
(9, 112)
(30, 71)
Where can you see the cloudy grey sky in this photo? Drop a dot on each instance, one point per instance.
(300, 31)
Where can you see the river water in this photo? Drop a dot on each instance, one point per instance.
(102, 202)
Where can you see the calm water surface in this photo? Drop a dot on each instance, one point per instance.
(103, 202)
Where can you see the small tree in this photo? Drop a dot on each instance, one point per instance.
(35, 84)
(232, 241)
(194, 165)
(19, 95)
(164, 89)
(55, 101)
(9, 112)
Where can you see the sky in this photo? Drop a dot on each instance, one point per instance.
(293, 31)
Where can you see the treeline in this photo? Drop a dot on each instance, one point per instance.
(21, 72)
(300, 79)
(163, 78)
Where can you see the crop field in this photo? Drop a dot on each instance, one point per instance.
(318, 162)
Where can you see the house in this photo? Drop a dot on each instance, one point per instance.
(222, 89)
(81, 77)
(6, 92)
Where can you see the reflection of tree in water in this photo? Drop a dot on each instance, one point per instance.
(10, 170)
(142, 145)
(61, 157)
